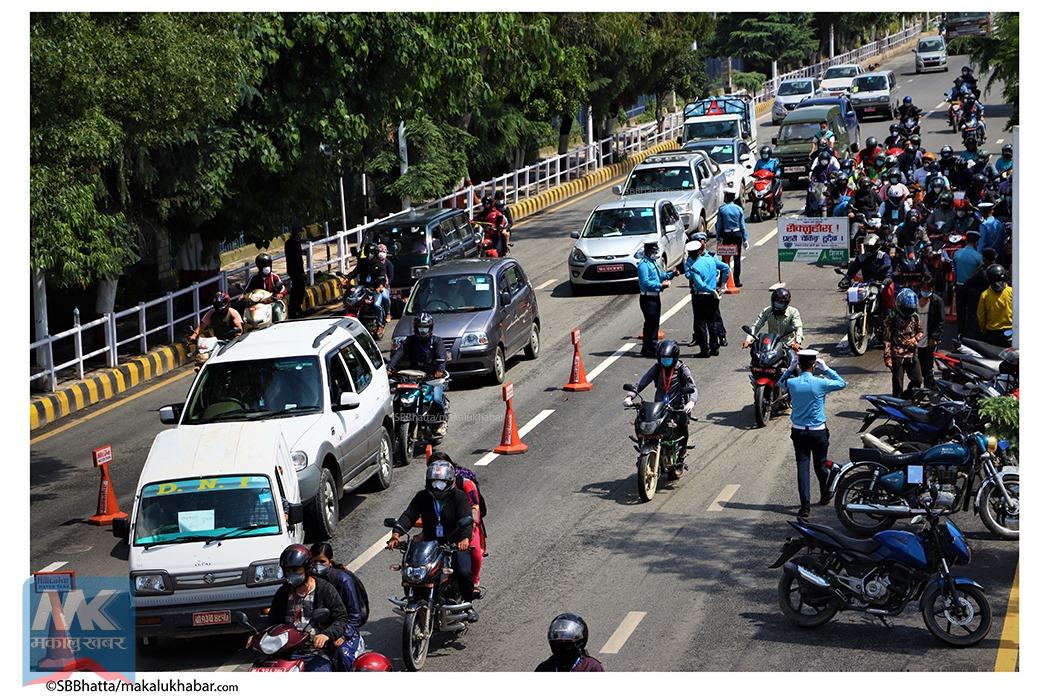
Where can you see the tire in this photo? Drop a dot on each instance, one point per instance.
(498, 373)
(762, 404)
(323, 515)
(992, 508)
(866, 525)
(383, 477)
(857, 343)
(934, 609)
(790, 585)
(647, 476)
(415, 641)
(403, 450)
(531, 351)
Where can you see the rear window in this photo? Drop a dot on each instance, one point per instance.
(870, 83)
(841, 72)
(795, 87)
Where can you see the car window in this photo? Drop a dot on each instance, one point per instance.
(701, 170)
(359, 369)
(839, 123)
(462, 223)
(439, 243)
(869, 83)
(744, 149)
(338, 378)
(521, 276)
(667, 214)
(370, 348)
(512, 280)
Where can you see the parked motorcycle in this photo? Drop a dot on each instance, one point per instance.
(825, 572)
(416, 415)
(765, 199)
(358, 301)
(432, 602)
(656, 444)
(284, 648)
(262, 309)
(863, 312)
(769, 358)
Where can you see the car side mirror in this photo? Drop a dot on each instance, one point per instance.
(775, 140)
(617, 189)
(169, 415)
(574, 234)
(121, 528)
(914, 50)
(348, 400)
(505, 299)
(294, 513)
(390, 522)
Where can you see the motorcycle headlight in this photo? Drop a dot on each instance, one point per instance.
(152, 584)
(272, 643)
(578, 255)
(264, 572)
(647, 427)
(299, 460)
(415, 574)
(474, 340)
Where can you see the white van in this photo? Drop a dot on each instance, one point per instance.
(214, 509)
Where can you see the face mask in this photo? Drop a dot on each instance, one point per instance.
(998, 287)
(382, 256)
(926, 294)
(666, 361)
(321, 569)
(296, 579)
(266, 270)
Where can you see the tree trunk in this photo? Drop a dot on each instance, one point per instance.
(565, 134)
(40, 314)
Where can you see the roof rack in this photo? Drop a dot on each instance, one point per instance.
(343, 322)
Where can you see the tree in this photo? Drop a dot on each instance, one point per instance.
(999, 53)
(785, 37)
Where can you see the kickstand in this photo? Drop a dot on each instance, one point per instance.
(883, 621)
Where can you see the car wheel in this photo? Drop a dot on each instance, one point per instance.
(498, 373)
(324, 513)
(531, 350)
(383, 477)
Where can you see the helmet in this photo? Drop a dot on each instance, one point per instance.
(996, 277)
(487, 201)
(371, 661)
(567, 636)
(970, 143)
(946, 199)
(937, 183)
(897, 192)
(916, 139)
(264, 262)
(928, 156)
(1007, 150)
(220, 302)
(870, 243)
(946, 151)
(914, 216)
(864, 183)
(294, 556)
(933, 168)
(978, 181)
(892, 162)
(780, 301)
(907, 300)
(824, 158)
(966, 70)
(423, 325)
(668, 349)
(765, 153)
(907, 100)
(970, 97)
(894, 129)
(958, 81)
(879, 161)
(651, 247)
(440, 479)
(962, 203)
(894, 176)
(872, 142)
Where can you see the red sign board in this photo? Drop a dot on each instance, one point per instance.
(508, 391)
(103, 455)
(575, 336)
(728, 249)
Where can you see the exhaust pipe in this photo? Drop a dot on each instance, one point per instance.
(810, 577)
(456, 607)
(871, 442)
(454, 627)
(882, 510)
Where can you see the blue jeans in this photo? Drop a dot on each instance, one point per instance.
(317, 663)
(382, 305)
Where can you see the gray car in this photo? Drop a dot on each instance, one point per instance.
(484, 310)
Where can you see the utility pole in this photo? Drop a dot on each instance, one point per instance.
(831, 39)
(775, 77)
(40, 314)
(589, 135)
(402, 149)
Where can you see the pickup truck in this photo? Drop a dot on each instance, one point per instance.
(726, 117)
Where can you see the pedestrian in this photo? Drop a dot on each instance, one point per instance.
(995, 309)
(808, 394)
(707, 278)
(930, 318)
(296, 272)
(966, 262)
(652, 280)
(732, 230)
(901, 331)
(975, 286)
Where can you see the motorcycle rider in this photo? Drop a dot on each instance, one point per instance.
(498, 225)
(442, 508)
(351, 644)
(865, 158)
(926, 170)
(1004, 165)
(972, 152)
(779, 316)
(567, 637)
(968, 79)
(840, 198)
(371, 661)
(972, 108)
(222, 319)
(675, 387)
(912, 231)
(266, 278)
(374, 272)
(893, 176)
(466, 481)
(942, 217)
(864, 203)
(896, 205)
(910, 160)
(949, 163)
(901, 332)
(908, 109)
(894, 140)
(994, 311)
(767, 162)
(877, 168)
(876, 267)
(301, 593)
(964, 218)
(423, 351)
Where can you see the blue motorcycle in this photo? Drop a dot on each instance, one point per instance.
(417, 414)
(825, 572)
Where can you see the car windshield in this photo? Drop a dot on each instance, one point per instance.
(710, 130)
(206, 508)
(449, 294)
(628, 221)
(870, 83)
(255, 390)
(399, 240)
(795, 87)
(965, 16)
(841, 72)
(802, 131)
(673, 177)
(929, 45)
(722, 153)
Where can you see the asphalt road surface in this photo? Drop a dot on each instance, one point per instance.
(680, 583)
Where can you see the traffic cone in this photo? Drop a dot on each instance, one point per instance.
(108, 508)
(577, 380)
(511, 443)
(59, 655)
(730, 287)
(659, 336)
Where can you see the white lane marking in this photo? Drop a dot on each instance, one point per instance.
(607, 362)
(844, 342)
(622, 633)
(368, 554)
(910, 80)
(723, 497)
(675, 308)
(524, 430)
(742, 258)
(544, 285)
(942, 104)
(765, 239)
(998, 141)
(54, 566)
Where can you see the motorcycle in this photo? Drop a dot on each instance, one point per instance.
(284, 648)
(358, 301)
(206, 347)
(875, 489)
(816, 200)
(416, 415)
(954, 115)
(262, 309)
(432, 602)
(864, 312)
(765, 199)
(769, 358)
(910, 127)
(656, 444)
(825, 572)
(973, 127)
(908, 267)
(912, 427)
(488, 237)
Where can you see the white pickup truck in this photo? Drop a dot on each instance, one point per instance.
(726, 117)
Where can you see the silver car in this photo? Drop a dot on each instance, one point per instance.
(609, 246)
(789, 94)
(693, 182)
(930, 54)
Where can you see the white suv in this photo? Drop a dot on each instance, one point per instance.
(322, 382)
(693, 182)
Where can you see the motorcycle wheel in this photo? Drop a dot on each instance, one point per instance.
(762, 404)
(415, 639)
(405, 443)
(994, 512)
(857, 342)
(800, 606)
(943, 620)
(856, 488)
(647, 476)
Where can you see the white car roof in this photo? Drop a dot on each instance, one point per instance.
(213, 449)
(634, 201)
(309, 337)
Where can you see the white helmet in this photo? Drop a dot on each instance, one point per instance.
(898, 192)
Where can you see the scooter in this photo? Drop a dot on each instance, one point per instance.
(489, 235)
(358, 301)
(262, 309)
(769, 358)
(764, 197)
(415, 413)
(284, 648)
(206, 346)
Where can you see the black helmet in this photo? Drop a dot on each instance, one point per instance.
(263, 260)
(864, 183)
(765, 153)
(220, 302)
(824, 158)
(894, 129)
(996, 277)
(970, 143)
(567, 637)
(872, 142)
(894, 176)
(978, 181)
(892, 162)
(914, 215)
(780, 301)
(668, 348)
(423, 325)
(440, 479)
(1007, 149)
(371, 249)
(946, 151)
(966, 70)
(487, 201)
(937, 183)
(294, 556)
(879, 161)
(916, 139)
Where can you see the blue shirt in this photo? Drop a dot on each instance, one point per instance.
(1001, 165)
(649, 276)
(772, 165)
(966, 261)
(705, 272)
(842, 207)
(808, 394)
(992, 235)
(731, 216)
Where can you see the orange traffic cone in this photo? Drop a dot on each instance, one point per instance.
(659, 336)
(107, 508)
(511, 443)
(59, 655)
(577, 380)
(730, 287)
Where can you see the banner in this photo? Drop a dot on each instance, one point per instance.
(814, 240)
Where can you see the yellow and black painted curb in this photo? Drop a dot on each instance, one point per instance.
(543, 200)
(121, 379)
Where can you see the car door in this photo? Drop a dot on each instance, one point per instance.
(466, 235)
(505, 313)
(852, 122)
(439, 250)
(348, 428)
(372, 397)
(670, 231)
(519, 310)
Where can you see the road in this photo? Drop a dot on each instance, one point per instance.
(680, 583)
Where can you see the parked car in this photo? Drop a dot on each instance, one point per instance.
(789, 94)
(609, 246)
(320, 381)
(419, 239)
(844, 105)
(930, 53)
(875, 93)
(693, 183)
(793, 145)
(837, 80)
(735, 159)
(484, 310)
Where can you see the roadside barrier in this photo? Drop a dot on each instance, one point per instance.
(577, 380)
(108, 509)
(511, 443)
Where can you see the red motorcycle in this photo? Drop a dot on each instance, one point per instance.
(490, 235)
(284, 648)
(764, 197)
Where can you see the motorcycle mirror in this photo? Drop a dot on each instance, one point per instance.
(321, 617)
(747, 329)
(630, 387)
(390, 522)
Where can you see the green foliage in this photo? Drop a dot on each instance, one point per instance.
(786, 37)
(437, 159)
(999, 54)
(1003, 415)
(751, 82)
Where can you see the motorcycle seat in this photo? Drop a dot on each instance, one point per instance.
(887, 399)
(864, 546)
(864, 454)
(988, 351)
(921, 415)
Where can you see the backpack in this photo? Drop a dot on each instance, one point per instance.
(362, 595)
(464, 473)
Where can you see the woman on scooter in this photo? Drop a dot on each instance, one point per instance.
(351, 644)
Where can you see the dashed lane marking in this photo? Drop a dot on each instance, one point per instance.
(54, 566)
(910, 80)
(622, 633)
(368, 554)
(675, 308)
(722, 498)
(609, 360)
(544, 285)
(765, 239)
(525, 429)
(843, 343)
(999, 141)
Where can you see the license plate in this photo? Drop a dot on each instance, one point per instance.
(868, 109)
(794, 169)
(609, 268)
(216, 617)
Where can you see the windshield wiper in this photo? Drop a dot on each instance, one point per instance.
(235, 531)
(176, 540)
(284, 412)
